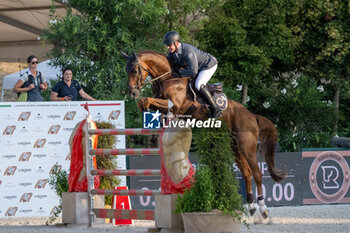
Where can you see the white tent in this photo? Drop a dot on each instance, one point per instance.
(21, 25)
(48, 71)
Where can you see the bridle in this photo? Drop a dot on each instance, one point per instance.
(140, 85)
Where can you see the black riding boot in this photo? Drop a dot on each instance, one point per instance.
(214, 113)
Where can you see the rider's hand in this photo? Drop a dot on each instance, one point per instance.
(176, 74)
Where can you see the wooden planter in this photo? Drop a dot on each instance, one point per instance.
(213, 222)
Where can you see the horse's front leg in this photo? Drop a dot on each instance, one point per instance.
(153, 103)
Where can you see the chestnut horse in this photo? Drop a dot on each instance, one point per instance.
(247, 127)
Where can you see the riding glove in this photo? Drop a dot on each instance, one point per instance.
(176, 74)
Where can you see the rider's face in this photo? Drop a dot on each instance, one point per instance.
(172, 48)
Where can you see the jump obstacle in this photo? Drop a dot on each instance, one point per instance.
(91, 172)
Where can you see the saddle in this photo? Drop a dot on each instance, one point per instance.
(216, 91)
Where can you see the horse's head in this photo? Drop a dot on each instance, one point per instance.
(136, 74)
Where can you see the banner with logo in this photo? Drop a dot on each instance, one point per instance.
(327, 176)
(313, 177)
(33, 140)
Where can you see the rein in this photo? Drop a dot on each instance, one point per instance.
(154, 79)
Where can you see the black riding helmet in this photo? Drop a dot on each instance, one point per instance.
(171, 37)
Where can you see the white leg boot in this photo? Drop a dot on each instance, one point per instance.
(263, 208)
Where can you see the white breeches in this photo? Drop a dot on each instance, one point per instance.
(204, 76)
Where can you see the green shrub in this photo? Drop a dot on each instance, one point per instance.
(58, 181)
(107, 161)
(216, 186)
(200, 198)
(214, 148)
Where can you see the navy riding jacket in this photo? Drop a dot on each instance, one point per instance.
(191, 60)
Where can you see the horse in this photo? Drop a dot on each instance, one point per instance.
(248, 128)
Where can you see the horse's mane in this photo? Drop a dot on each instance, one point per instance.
(157, 88)
(132, 60)
(150, 52)
(153, 58)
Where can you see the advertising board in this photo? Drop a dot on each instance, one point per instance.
(33, 140)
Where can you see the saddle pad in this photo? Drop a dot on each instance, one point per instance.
(220, 100)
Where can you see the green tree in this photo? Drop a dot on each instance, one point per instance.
(324, 53)
(89, 39)
(268, 45)
(186, 17)
(302, 115)
(249, 38)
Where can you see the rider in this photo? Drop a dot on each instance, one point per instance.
(192, 62)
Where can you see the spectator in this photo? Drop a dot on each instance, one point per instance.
(32, 81)
(68, 89)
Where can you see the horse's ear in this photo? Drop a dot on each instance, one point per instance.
(134, 55)
(124, 55)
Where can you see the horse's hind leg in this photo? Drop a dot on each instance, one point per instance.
(248, 149)
(246, 175)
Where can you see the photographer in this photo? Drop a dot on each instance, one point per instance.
(31, 82)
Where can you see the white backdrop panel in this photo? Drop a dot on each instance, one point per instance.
(33, 139)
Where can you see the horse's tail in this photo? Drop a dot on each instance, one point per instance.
(268, 138)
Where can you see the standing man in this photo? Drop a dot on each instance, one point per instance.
(188, 61)
(32, 81)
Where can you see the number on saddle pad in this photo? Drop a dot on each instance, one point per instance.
(216, 90)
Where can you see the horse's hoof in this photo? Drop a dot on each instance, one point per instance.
(265, 214)
(252, 211)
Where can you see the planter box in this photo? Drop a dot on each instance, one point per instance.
(213, 222)
(164, 213)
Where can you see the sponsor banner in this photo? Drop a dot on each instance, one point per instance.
(313, 177)
(10, 184)
(39, 196)
(34, 139)
(276, 194)
(286, 192)
(15, 172)
(327, 177)
(23, 156)
(26, 210)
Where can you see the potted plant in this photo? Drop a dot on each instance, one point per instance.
(213, 204)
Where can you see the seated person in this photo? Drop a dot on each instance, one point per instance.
(32, 81)
(68, 89)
